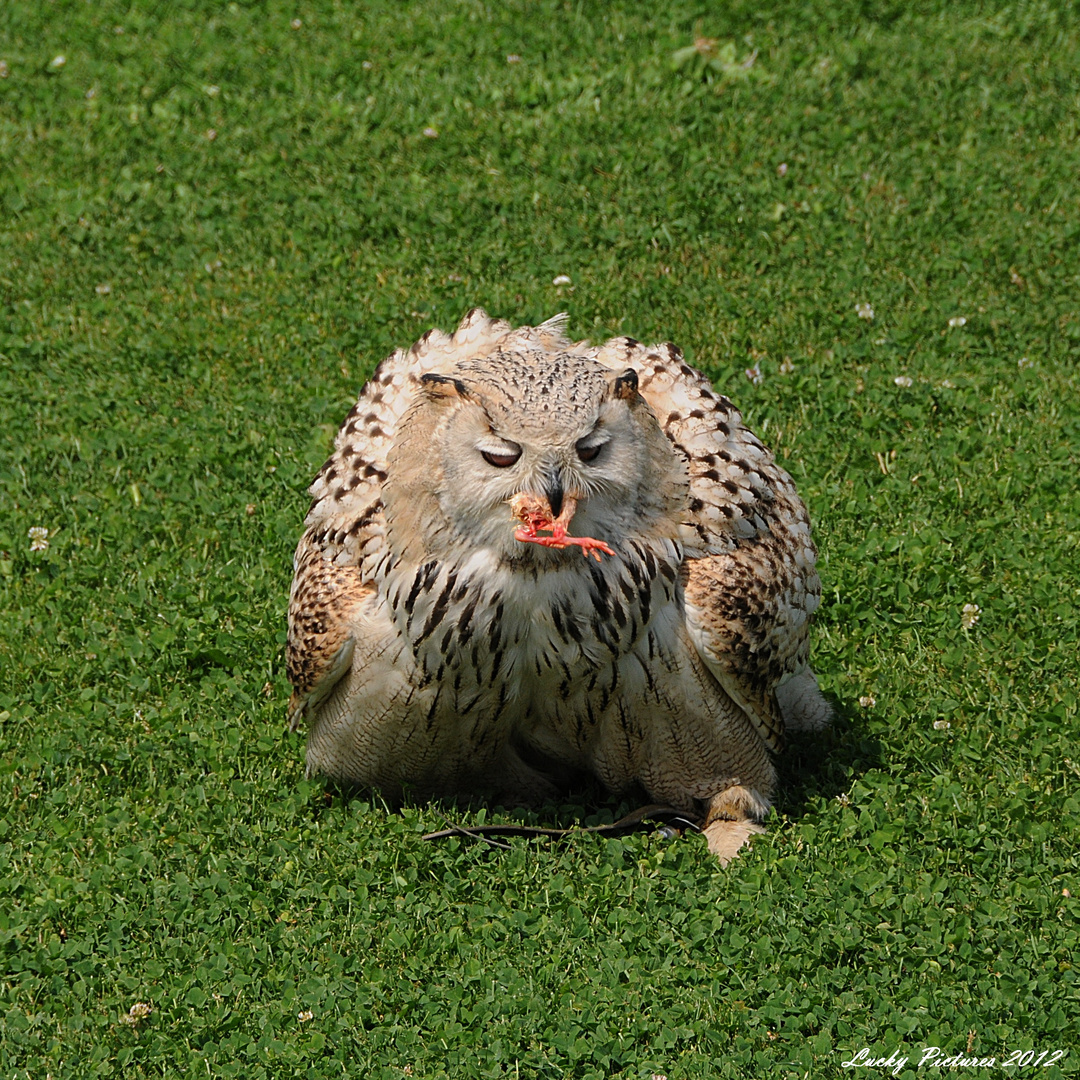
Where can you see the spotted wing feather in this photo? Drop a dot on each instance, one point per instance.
(324, 600)
(750, 582)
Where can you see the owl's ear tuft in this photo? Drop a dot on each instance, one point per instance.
(625, 386)
(441, 387)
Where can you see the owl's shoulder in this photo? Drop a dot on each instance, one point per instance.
(738, 492)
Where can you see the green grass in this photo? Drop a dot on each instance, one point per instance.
(186, 320)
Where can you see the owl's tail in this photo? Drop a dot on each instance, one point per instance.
(802, 703)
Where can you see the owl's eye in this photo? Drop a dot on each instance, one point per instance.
(589, 453)
(501, 461)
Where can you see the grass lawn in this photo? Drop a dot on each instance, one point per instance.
(216, 218)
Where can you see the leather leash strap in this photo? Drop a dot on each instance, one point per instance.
(646, 819)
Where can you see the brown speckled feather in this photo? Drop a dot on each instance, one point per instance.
(320, 646)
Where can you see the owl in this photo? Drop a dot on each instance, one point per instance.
(529, 559)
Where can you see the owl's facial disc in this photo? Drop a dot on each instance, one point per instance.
(556, 473)
(563, 460)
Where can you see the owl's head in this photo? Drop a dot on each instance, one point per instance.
(557, 430)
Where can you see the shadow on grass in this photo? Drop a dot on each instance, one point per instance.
(584, 802)
(815, 766)
(822, 764)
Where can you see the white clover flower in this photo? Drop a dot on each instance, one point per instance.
(57, 62)
(296, 24)
(103, 289)
(430, 133)
(946, 384)
(211, 134)
(367, 65)
(868, 701)
(562, 279)
(1024, 363)
(139, 1011)
(865, 311)
(513, 58)
(755, 374)
(305, 1016)
(844, 799)
(957, 320)
(787, 366)
(969, 615)
(39, 538)
(903, 380)
(212, 91)
(4, 73)
(781, 169)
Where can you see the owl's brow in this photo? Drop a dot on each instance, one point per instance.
(493, 438)
(597, 437)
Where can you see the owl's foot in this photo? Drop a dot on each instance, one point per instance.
(731, 823)
(726, 838)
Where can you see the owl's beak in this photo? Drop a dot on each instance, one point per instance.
(553, 491)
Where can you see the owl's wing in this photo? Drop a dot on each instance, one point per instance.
(324, 601)
(341, 556)
(750, 584)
